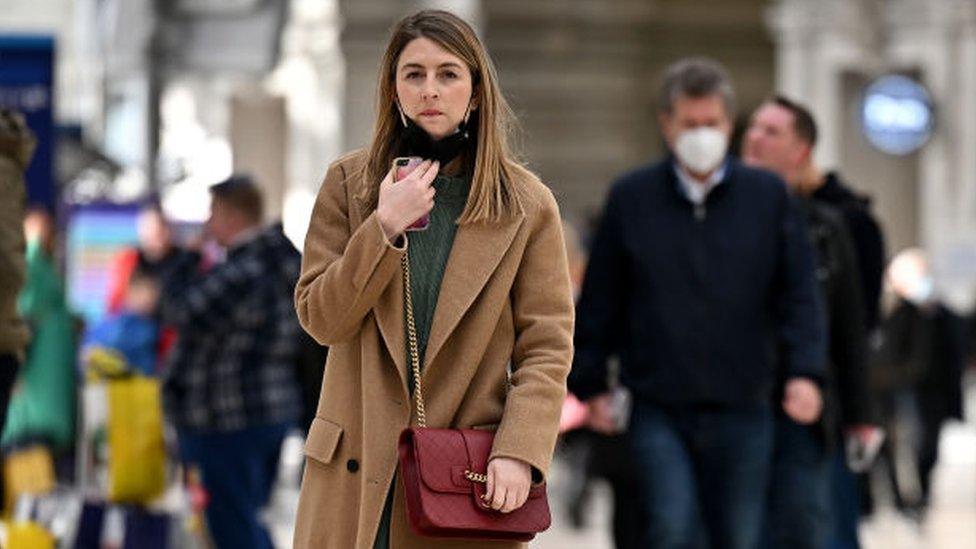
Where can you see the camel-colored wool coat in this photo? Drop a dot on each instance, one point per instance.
(505, 300)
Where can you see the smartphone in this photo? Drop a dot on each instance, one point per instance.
(862, 449)
(620, 405)
(402, 166)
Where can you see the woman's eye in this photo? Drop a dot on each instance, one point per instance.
(413, 74)
(449, 75)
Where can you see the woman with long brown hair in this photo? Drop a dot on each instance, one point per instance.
(492, 308)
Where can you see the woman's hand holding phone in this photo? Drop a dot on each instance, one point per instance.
(403, 202)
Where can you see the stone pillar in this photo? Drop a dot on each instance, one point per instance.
(938, 37)
(311, 76)
(816, 42)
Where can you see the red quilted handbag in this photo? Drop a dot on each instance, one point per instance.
(444, 473)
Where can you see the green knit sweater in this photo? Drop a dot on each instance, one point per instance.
(428, 252)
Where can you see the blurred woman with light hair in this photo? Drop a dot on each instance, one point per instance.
(920, 360)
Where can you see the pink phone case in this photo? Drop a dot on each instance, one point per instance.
(403, 166)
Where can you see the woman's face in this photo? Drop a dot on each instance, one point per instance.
(433, 87)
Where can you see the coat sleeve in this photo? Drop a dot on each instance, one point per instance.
(601, 308)
(542, 305)
(868, 241)
(343, 271)
(799, 303)
(848, 337)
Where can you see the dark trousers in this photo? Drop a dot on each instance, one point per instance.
(798, 516)
(238, 470)
(846, 494)
(593, 456)
(932, 413)
(705, 467)
(9, 366)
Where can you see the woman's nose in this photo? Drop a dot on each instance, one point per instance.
(429, 90)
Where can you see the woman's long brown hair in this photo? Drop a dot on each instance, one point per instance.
(494, 194)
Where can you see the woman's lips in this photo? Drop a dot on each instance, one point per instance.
(431, 112)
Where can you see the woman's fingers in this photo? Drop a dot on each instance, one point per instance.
(490, 486)
(516, 500)
(511, 500)
(388, 180)
(498, 500)
(428, 173)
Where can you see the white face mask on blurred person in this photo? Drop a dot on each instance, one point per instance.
(920, 291)
(701, 149)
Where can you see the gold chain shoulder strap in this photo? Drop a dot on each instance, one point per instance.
(412, 338)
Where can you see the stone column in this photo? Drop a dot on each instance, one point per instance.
(815, 43)
(939, 37)
(311, 76)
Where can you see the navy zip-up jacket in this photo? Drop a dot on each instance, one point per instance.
(701, 305)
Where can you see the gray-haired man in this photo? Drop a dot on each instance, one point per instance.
(702, 302)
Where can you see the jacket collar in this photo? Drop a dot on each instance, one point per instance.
(729, 169)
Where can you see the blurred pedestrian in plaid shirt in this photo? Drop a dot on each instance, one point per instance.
(230, 386)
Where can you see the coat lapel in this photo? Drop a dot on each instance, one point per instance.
(389, 317)
(389, 309)
(477, 250)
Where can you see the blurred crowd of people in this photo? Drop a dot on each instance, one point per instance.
(738, 362)
(736, 370)
(213, 320)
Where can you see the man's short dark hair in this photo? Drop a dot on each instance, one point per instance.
(696, 77)
(803, 123)
(242, 194)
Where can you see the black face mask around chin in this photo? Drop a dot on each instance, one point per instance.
(417, 142)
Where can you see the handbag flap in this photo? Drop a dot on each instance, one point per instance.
(442, 459)
(444, 455)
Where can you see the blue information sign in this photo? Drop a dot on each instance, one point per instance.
(897, 115)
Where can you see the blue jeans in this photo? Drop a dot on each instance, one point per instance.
(798, 513)
(846, 505)
(238, 469)
(702, 467)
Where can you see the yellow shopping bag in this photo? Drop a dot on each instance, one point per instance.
(137, 456)
(29, 535)
(27, 471)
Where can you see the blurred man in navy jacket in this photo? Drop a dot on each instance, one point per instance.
(701, 301)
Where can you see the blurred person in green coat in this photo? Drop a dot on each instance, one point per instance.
(16, 148)
(42, 404)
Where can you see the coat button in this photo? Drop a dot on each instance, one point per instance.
(352, 466)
